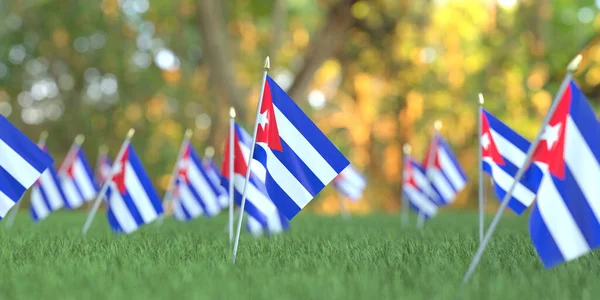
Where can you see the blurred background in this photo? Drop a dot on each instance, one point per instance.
(372, 74)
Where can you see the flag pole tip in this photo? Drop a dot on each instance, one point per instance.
(209, 151)
(574, 64)
(406, 149)
(232, 112)
(188, 133)
(267, 63)
(130, 133)
(480, 99)
(79, 139)
(437, 125)
(44, 135)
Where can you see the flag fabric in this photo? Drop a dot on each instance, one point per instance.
(443, 170)
(215, 177)
(503, 153)
(103, 168)
(132, 200)
(296, 158)
(350, 183)
(196, 193)
(21, 164)
(417, 189)
(47, 195)
(77, 179)
(564, 222)
(259, 207)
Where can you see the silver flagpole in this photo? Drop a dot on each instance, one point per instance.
(169, 193)
(231, 169)
(102, 151)
(480, 155)
(13, 212)
(267, 66)
(106, 183)
(572, 67)
(406, 149)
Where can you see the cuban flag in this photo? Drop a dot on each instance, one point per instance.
(77, 178)
(417, 189)
(297, 159)
(444, 171)
(215, 177)
(103, 168)
(21, 164)
(259, 207)
(565, 220)
(504, 152)
(132, 200)
(196, 193)
(350, 183)
(46, 194)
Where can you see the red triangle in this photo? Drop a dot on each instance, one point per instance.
(239, 163)
(488, 145)
(183, 165)
(267, 124)
(433, 146)
(409, 179)
(119, 177)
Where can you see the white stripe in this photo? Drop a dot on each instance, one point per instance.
(505, 181)
(451, 170)
(560, 223)
(71, 193)
(139, 195)
(200, 183)
(121, 211)
(303, 149)
(350, 190)
(188, 201)
(5, 204)
(508, 150)
(352, 176)
(224, 200)
(261, 202)
(441, 184)
(286, 180)
(37, 203)
(178, 211)
(424, 184)
(254, 226)
(421, 201)
(257, 168)
(51, 190)
(83, 181)
(583, 164)
(17, 166)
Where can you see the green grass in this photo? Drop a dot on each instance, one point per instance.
(369, 257)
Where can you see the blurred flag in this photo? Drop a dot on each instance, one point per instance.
(444, 171)
(103, 168)
(297, 159)
(564, 223)
(46, 194)
(504, 152)
(215, 177)
(350, 183)
(417, 189)
(259, 206)
(195, 193)
(132, 200)
(77, 178)
(21, 164)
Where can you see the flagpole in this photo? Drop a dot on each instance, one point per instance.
(267, 66)
(106, 183)
(79, 139)
(169, 193)
(406, 149)
(420, 220)
(343, 208)
(571, 68)
(13, 212)
(480, 155)
(231, 169)
(102, 152)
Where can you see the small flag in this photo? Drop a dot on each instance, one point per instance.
(77, 179)
(564, 223)
(350, 183)
(103, 168)
(259, 206)
(195, 192)
(444, 171)
(132, 200)
(21, 164)
(215, 177)
(417, 189)
(504, 152)
(298, 159)
(46, 194)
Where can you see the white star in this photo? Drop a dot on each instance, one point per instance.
(485, 141)
(551, 135)
(263, 120)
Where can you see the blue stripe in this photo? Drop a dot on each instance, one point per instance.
(542, 240)
(10, 186)
(249, 206)
(414, 207)
(133, 210)
(76, 188)
(585, 119)
(505, 131)
(33, 214)
(307, 128)
(295, 165)
(112, 220)
(446, 148)
(198, 199)
(56, 183)
(454, 192)
(88, 169)
(137, 166)
(198, 162)
(45, 198)
(24, 146)
(186, 214)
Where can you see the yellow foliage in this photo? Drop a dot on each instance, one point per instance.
(542, 100)
(133, 112)
(300, 37)
(593, 76)
(392, 158)
(328, 71)
(60, 37)
(360, 9)
(156, 107)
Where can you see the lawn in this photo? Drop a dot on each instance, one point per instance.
(370, 257)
